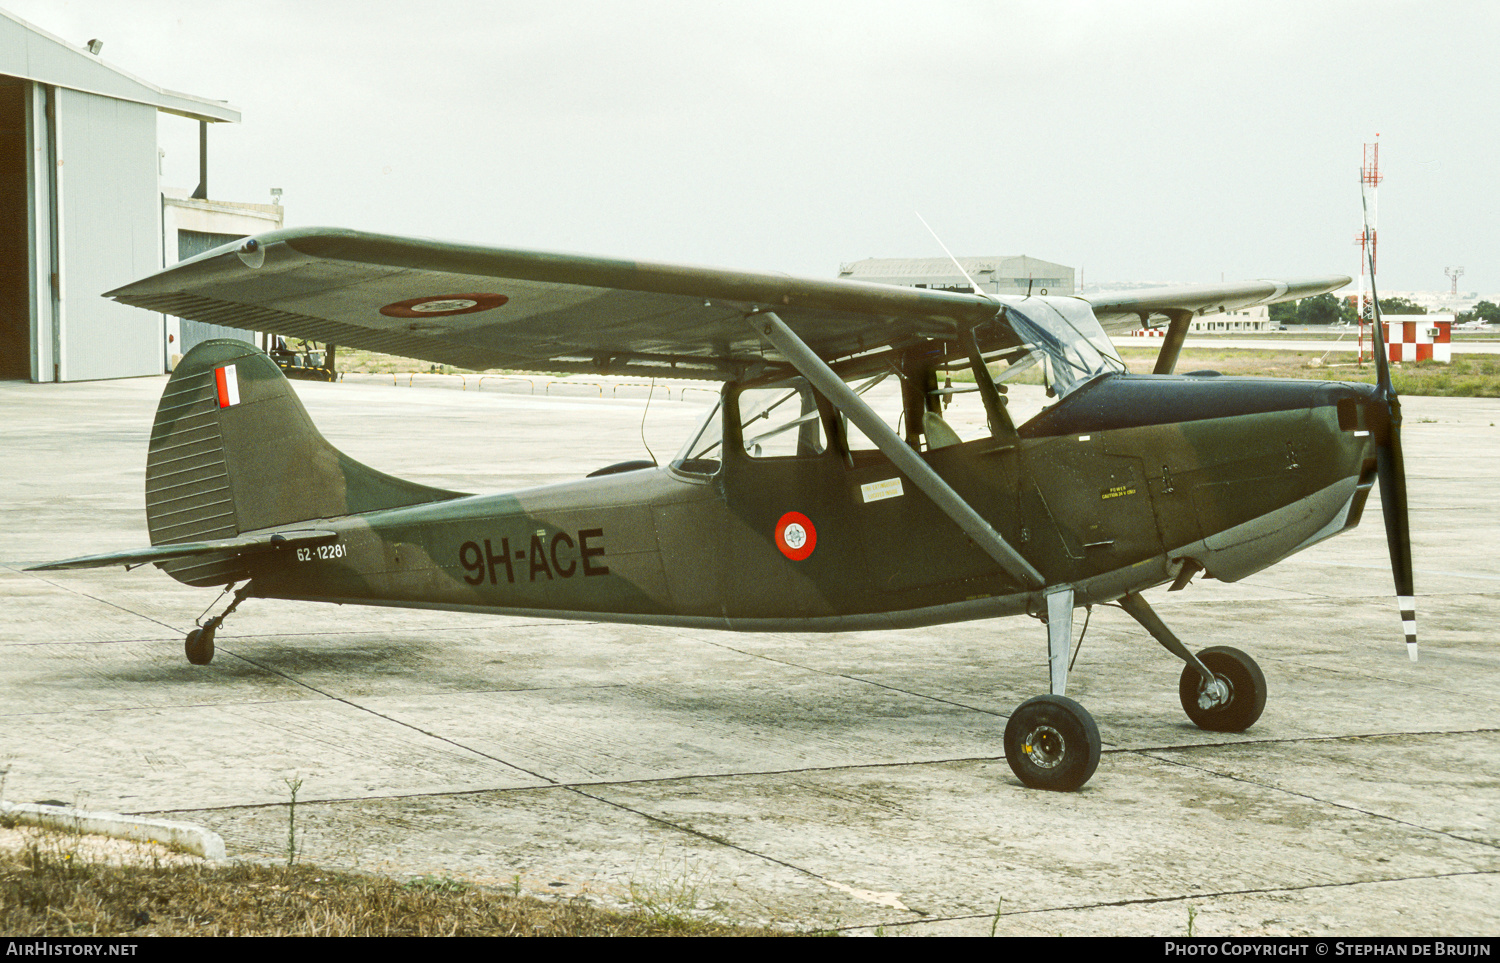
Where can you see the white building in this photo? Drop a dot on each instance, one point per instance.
(1247, 320)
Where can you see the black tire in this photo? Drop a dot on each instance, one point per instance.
(1247, 690)
(200, 646)
(1051, 742)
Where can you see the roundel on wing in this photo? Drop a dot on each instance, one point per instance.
(796, 536)
(442, 305)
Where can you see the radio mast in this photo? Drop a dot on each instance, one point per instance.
(1369, 184)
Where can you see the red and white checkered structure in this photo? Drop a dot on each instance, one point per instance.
(1419, 337)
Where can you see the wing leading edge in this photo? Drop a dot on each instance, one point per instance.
(477, 307)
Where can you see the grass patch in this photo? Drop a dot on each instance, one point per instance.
(356, 361)
(670, 896)
(48, 889)
(1467, 376)
(373, 362)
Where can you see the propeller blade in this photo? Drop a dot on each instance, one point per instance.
(1391, 469)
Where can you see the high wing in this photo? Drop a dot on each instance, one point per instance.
(1121, 313)
(478, 307)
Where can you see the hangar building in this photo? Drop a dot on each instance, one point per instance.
(994, 275)
(82, 212)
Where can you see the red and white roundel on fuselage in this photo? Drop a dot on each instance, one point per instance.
(796, 536)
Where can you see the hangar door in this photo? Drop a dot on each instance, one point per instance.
(79, 215)
(194, 333)
(15, 259)
(110, 214)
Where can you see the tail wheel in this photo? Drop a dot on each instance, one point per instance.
(1051, 742)
(200, 646)
(1247, 691)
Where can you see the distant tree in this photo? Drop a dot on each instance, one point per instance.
(1400, 306)
(1284, 312)
(1487, 311)
(1323, 309)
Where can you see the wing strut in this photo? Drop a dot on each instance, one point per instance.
(908, 462)
(1166, 360)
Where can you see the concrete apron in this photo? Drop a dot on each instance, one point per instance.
(851, 780)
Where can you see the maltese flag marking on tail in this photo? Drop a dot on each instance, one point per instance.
(228, 384)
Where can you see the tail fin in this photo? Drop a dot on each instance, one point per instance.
(233, 451)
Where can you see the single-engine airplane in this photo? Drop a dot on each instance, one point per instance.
(795, 505)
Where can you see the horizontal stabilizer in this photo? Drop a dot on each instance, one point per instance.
(244, 545)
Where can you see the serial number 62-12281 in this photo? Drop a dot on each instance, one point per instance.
(321, 552)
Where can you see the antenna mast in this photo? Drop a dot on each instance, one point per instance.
(1369, 184)
(1453, 275)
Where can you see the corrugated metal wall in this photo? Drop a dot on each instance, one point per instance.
(80, 208)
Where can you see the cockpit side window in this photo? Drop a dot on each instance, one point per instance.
(781, 422)
(1033, 352)
(882, 392)
(778, 421)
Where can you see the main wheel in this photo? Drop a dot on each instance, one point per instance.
(1247, 691)
(200, 646)
(1051, 742)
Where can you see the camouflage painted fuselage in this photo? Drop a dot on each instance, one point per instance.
(1110, 490)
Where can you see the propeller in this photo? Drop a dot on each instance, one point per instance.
(1391, 467)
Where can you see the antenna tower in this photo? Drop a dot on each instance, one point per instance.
(1453, 275)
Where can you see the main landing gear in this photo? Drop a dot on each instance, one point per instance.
(199, 645)
(1051, 742)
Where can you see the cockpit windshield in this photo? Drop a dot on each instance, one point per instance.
(701, 454)
(1066, 337)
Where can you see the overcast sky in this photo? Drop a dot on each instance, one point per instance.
(1150, 140)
